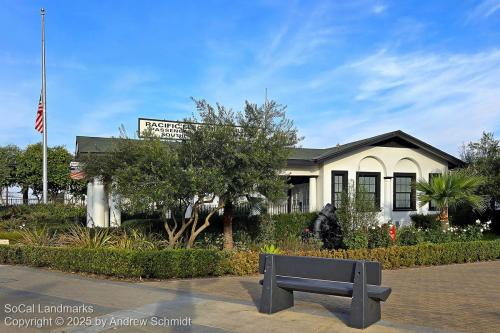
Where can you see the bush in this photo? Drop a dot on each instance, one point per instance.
(84, 237)
(356, 211)
(246, 262)
(425, 221)
(12, 217)
(292, 225)
(12, 236)
(267, 230)
(37, 237)
(163, 264)
(409, 235)
(469, 233)
(378, 236)
(356, 239)
(437, 236)
(143, 225)
(187, 263)
(41, 213)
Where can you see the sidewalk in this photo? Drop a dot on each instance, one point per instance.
(432, 299)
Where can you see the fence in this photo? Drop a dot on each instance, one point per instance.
(17, 201)
(271, 209)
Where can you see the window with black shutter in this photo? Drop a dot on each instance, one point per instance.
(404, 191)
(339, 186)
(368, 183)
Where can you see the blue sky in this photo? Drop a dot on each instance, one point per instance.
(345, 69)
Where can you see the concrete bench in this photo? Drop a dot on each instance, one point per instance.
(359, 280)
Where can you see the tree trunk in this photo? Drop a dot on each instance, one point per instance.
(25, 195)
(194, 231)
(443, 218)
(228, 226)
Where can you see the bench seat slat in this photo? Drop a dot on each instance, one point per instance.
(329, 287)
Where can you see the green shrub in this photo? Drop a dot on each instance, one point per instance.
(357, 239)
(425, 221)
(468, 233)
(13, 217)
(37, 237)
(143, 225)
(184, 263)
(437, 235)
(378, 236)
(246, 262)
(181, 263)
(292, 225)
(210, 241)
(271, 248)
(12, 236)
(84, 237)
(267, 230)
(135, 240)
(409, 235)
(41, 213)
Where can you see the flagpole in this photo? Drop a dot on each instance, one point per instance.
(44, 103)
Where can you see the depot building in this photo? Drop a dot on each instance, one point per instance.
(385, 165)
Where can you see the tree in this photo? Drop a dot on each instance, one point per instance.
(231, 157)
(58, 178)
(9, 156)
(29, 171)
(451, 189)
(356, 209)
(483, 158)
(247, 150)
(152, 177)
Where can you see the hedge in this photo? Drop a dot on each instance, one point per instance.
(163, 264)
(292, 225)
(243, 263)
(184, 263)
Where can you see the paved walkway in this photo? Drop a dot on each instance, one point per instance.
(432, 299)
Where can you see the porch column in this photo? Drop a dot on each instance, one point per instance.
(100, 204)
(387, 198)
(312, 194)
(90, 204)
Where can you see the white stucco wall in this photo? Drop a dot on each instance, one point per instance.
(387, 161)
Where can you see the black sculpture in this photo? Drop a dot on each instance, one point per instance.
(327, 228)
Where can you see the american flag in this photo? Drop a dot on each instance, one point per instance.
(39, 117)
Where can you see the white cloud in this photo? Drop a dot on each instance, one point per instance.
(484, 9)
(295, 43)
(443, 98)
(379, 8)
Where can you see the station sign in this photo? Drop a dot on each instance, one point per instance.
(165, 129)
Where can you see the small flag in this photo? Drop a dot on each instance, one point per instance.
(39, 117)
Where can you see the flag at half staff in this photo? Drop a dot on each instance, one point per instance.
(39, 116)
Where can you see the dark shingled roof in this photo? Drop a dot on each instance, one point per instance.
(308, 155)
(92, 144)
(305, 156)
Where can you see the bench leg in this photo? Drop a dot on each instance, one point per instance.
(273, 298)
(364, 310)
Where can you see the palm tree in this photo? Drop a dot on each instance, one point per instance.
(450, 190)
